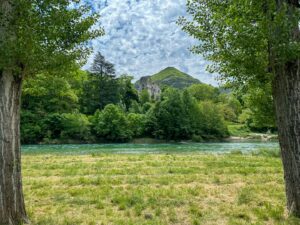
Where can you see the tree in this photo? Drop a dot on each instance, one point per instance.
(31, 129)
(44, 95)
(230, 106)
(102, 67)
(34, 36)
(75, 126)
(252, 43)
(128, 93)
(212, 121)
(192, 113)
(169, 118)
(144, 96)
(203, 92)
(136, 124)
(178, 116)
(261, 105)
(101, 88)
(111, 124)
(98, 92)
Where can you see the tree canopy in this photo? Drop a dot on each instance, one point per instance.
(245, 40)
(45, 35)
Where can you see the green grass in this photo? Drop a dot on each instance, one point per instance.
(154, 189)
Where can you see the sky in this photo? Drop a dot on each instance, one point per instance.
(142, 38)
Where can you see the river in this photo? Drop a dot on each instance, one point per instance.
(224, 147)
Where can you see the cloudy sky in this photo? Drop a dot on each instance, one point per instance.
(142, 38)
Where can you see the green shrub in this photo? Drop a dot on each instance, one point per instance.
(146, 107)
(238, 130)
(75, 126)
(31, 131)
(212, 121)
(169, 118)
(135, 107)
(52, 126)
(197, 138)
(111, 124)
(136, 123)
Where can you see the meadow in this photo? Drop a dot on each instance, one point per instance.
(193, 188)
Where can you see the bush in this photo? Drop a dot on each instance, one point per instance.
(228, 113)
(111, 124)
(197, 138)
(31, 131)
(136, 124)
(52, 126)
(75, 126)
(212, 120)
(169, 118)
(146, 107)
(135, 107)
(238, 130)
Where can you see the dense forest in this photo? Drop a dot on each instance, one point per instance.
(91, 106)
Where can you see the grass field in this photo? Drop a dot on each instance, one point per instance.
(154, 189)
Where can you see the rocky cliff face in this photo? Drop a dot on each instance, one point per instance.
(145, 83)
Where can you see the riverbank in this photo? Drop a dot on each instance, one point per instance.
(239, 132)
(154, 189)
(253, 136)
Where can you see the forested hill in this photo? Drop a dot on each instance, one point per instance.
(172, 77)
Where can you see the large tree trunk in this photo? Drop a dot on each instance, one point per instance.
(12, 207)
(287, 102)
(286, 91)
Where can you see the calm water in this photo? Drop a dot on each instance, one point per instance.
(149, 148)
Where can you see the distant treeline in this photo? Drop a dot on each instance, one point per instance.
(98, 106)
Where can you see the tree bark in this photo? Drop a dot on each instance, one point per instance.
(287, 102)
(12, 207)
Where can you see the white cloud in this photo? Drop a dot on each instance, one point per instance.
(142, 38)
